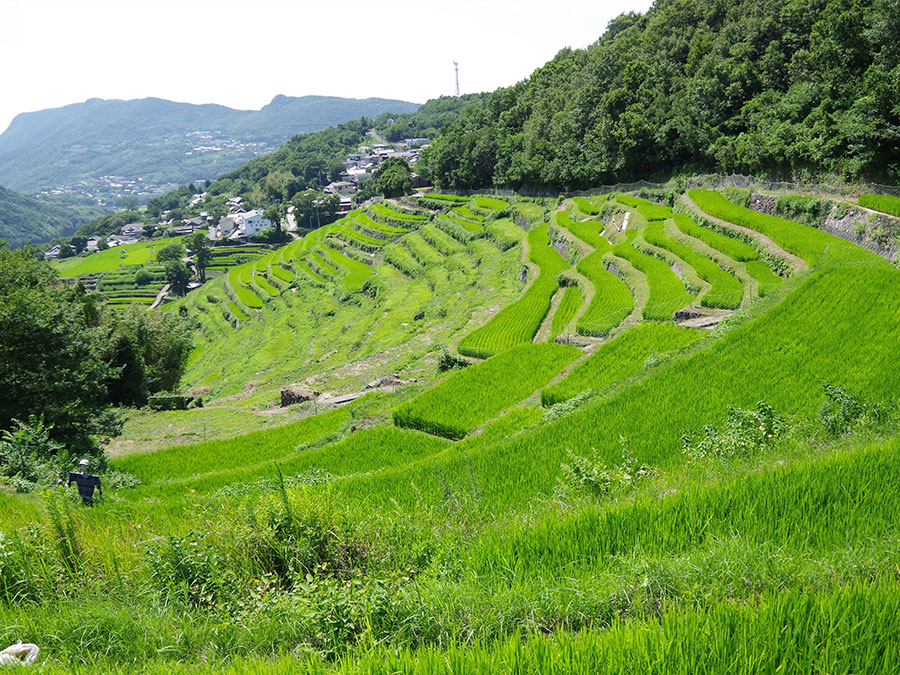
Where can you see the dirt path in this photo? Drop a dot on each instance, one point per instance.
(797, 263)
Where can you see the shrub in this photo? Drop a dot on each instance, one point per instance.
(744, 433)
(142, 278)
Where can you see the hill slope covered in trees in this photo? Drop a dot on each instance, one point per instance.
(756, 87)
(24, 218)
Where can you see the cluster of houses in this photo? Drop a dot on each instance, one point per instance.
(359, 167)
(241, 224)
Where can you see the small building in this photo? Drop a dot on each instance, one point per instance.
(52, 253)
(342, 187)
(93, 244)
(358, 175)
(132, 230)
(346, 206)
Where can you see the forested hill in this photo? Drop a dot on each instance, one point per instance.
(24, 218)
(753, 86)
(160, 141)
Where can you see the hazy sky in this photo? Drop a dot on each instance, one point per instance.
(242, 53)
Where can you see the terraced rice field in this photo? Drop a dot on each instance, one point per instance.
(472, 396)
(517, 323)
(667, 292)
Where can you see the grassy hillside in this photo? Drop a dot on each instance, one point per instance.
(725, 494)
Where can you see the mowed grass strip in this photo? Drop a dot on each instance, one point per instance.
(517, 323)
(619, 359)
(667, 292)
(188, 461)
(472, 396)
(725, 290)
(612, 301)
(883, 203)
(733, 248)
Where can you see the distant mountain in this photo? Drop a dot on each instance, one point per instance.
(37, 219)
(109, 148)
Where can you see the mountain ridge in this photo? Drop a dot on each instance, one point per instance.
(159, 141)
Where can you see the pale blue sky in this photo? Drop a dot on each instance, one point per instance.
(242, 53)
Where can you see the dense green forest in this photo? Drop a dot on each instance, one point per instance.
(771, 87)
(24, 218)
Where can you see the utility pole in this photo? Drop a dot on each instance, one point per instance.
(456, 70)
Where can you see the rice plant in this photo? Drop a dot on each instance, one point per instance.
(471, 396)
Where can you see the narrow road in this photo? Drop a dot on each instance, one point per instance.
(159, 298)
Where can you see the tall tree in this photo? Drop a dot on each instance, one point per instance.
(51, 354)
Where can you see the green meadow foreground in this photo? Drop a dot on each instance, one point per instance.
(587, 487)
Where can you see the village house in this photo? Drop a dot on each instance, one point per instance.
(132, 230)
(239, 225)
(51, 253)
(93, 244)
(342, 188)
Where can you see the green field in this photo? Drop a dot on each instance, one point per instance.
(649, 498)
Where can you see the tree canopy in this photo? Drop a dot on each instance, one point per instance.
(771, 87)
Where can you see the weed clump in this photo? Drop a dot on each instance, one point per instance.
(743, 434)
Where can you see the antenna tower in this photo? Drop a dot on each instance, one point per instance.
(456, 70)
